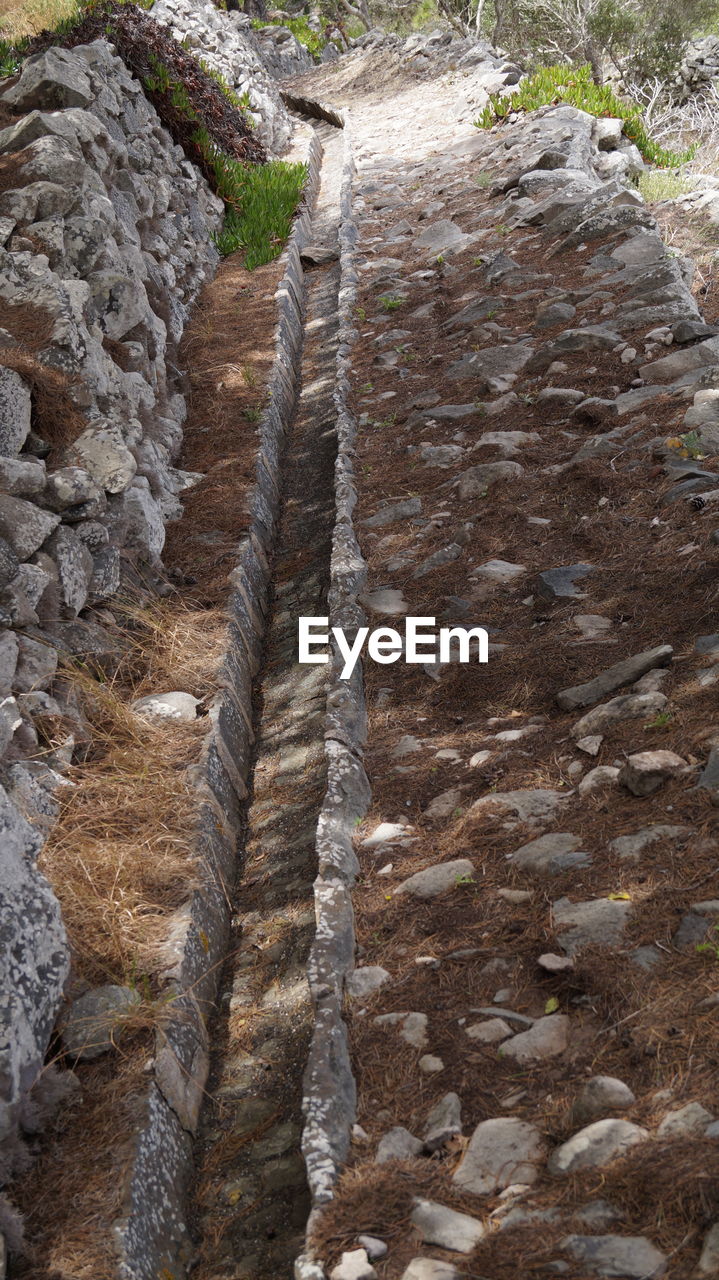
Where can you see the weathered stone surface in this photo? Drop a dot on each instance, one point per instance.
(633, 1257)
(561, 584)
(438, 879)
(443, 1122)
(600, 921)
(600, 1095)
(478, 480)
(708, 1264)
(364, 982)
(34, 962)
(430, 1269)
(500, 1152)
(445, 1228)
(632, 846)
(24, 525)
(398, 1144)
(526, 806)
(546, 1039)
(175, 705)
(94, 1021)
(550, 853)
(15, 412)
(628, 706)
(596, 1145)
(626, 672)
(647, 771)
(689, 1121)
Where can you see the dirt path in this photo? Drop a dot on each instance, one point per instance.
(533, 1015)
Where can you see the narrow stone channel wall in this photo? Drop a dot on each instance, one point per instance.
(153, 1237)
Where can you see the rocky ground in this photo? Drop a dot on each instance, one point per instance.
(533, 1012)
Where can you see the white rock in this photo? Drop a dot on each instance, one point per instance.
(361, 983)
(646, 771)
(438, 879)
(354, 1265)
(446, 1228)
(600, 1095)
(688, 1122)
(491, 1032)
(430, 1269)
(546, 1039)
(500, 1152)
(596, 1145)
(387, 833)
(167, 706)
(708, 1264)
(429, 1064)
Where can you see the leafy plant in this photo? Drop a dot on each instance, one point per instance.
(313, 42)
(660, 721)
(389, 302)
(710, 948)
(576, 86)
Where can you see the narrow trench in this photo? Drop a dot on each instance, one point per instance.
(251, 1201)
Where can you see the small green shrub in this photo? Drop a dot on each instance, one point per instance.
(576, 86)
(312, 40)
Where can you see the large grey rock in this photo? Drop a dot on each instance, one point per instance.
(398, 1144)
(445, 1228)
(500, 1152)
(546, 1039)
(600, 921)
(36, 664)
(600, 1095)
(441, 237)
(15, 412)
(34, 963)
(24, 525)
(478, 480)
(50, 80)
(646, 771)
(632, 1257)
(554, 852)
(438, 879)
(175, 705)
(627, 706)
(596, 1145)
(708, 1264)
(527, 806)
(430, 1269)
(626, 672)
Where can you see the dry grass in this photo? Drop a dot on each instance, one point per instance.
(34, 16)
(120, 857)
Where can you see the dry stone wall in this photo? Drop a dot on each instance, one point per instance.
(226, 43)
(106, 237)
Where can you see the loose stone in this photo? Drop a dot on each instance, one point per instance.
(446, 1228)
(501, 1152)
(438, 879)
(546, 1039)
(398, 1144)
(600, 1095)
(594, 1146)
(633, 1257)
(647, 771)
(354, 1265)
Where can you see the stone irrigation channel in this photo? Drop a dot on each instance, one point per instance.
(445, 1001)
